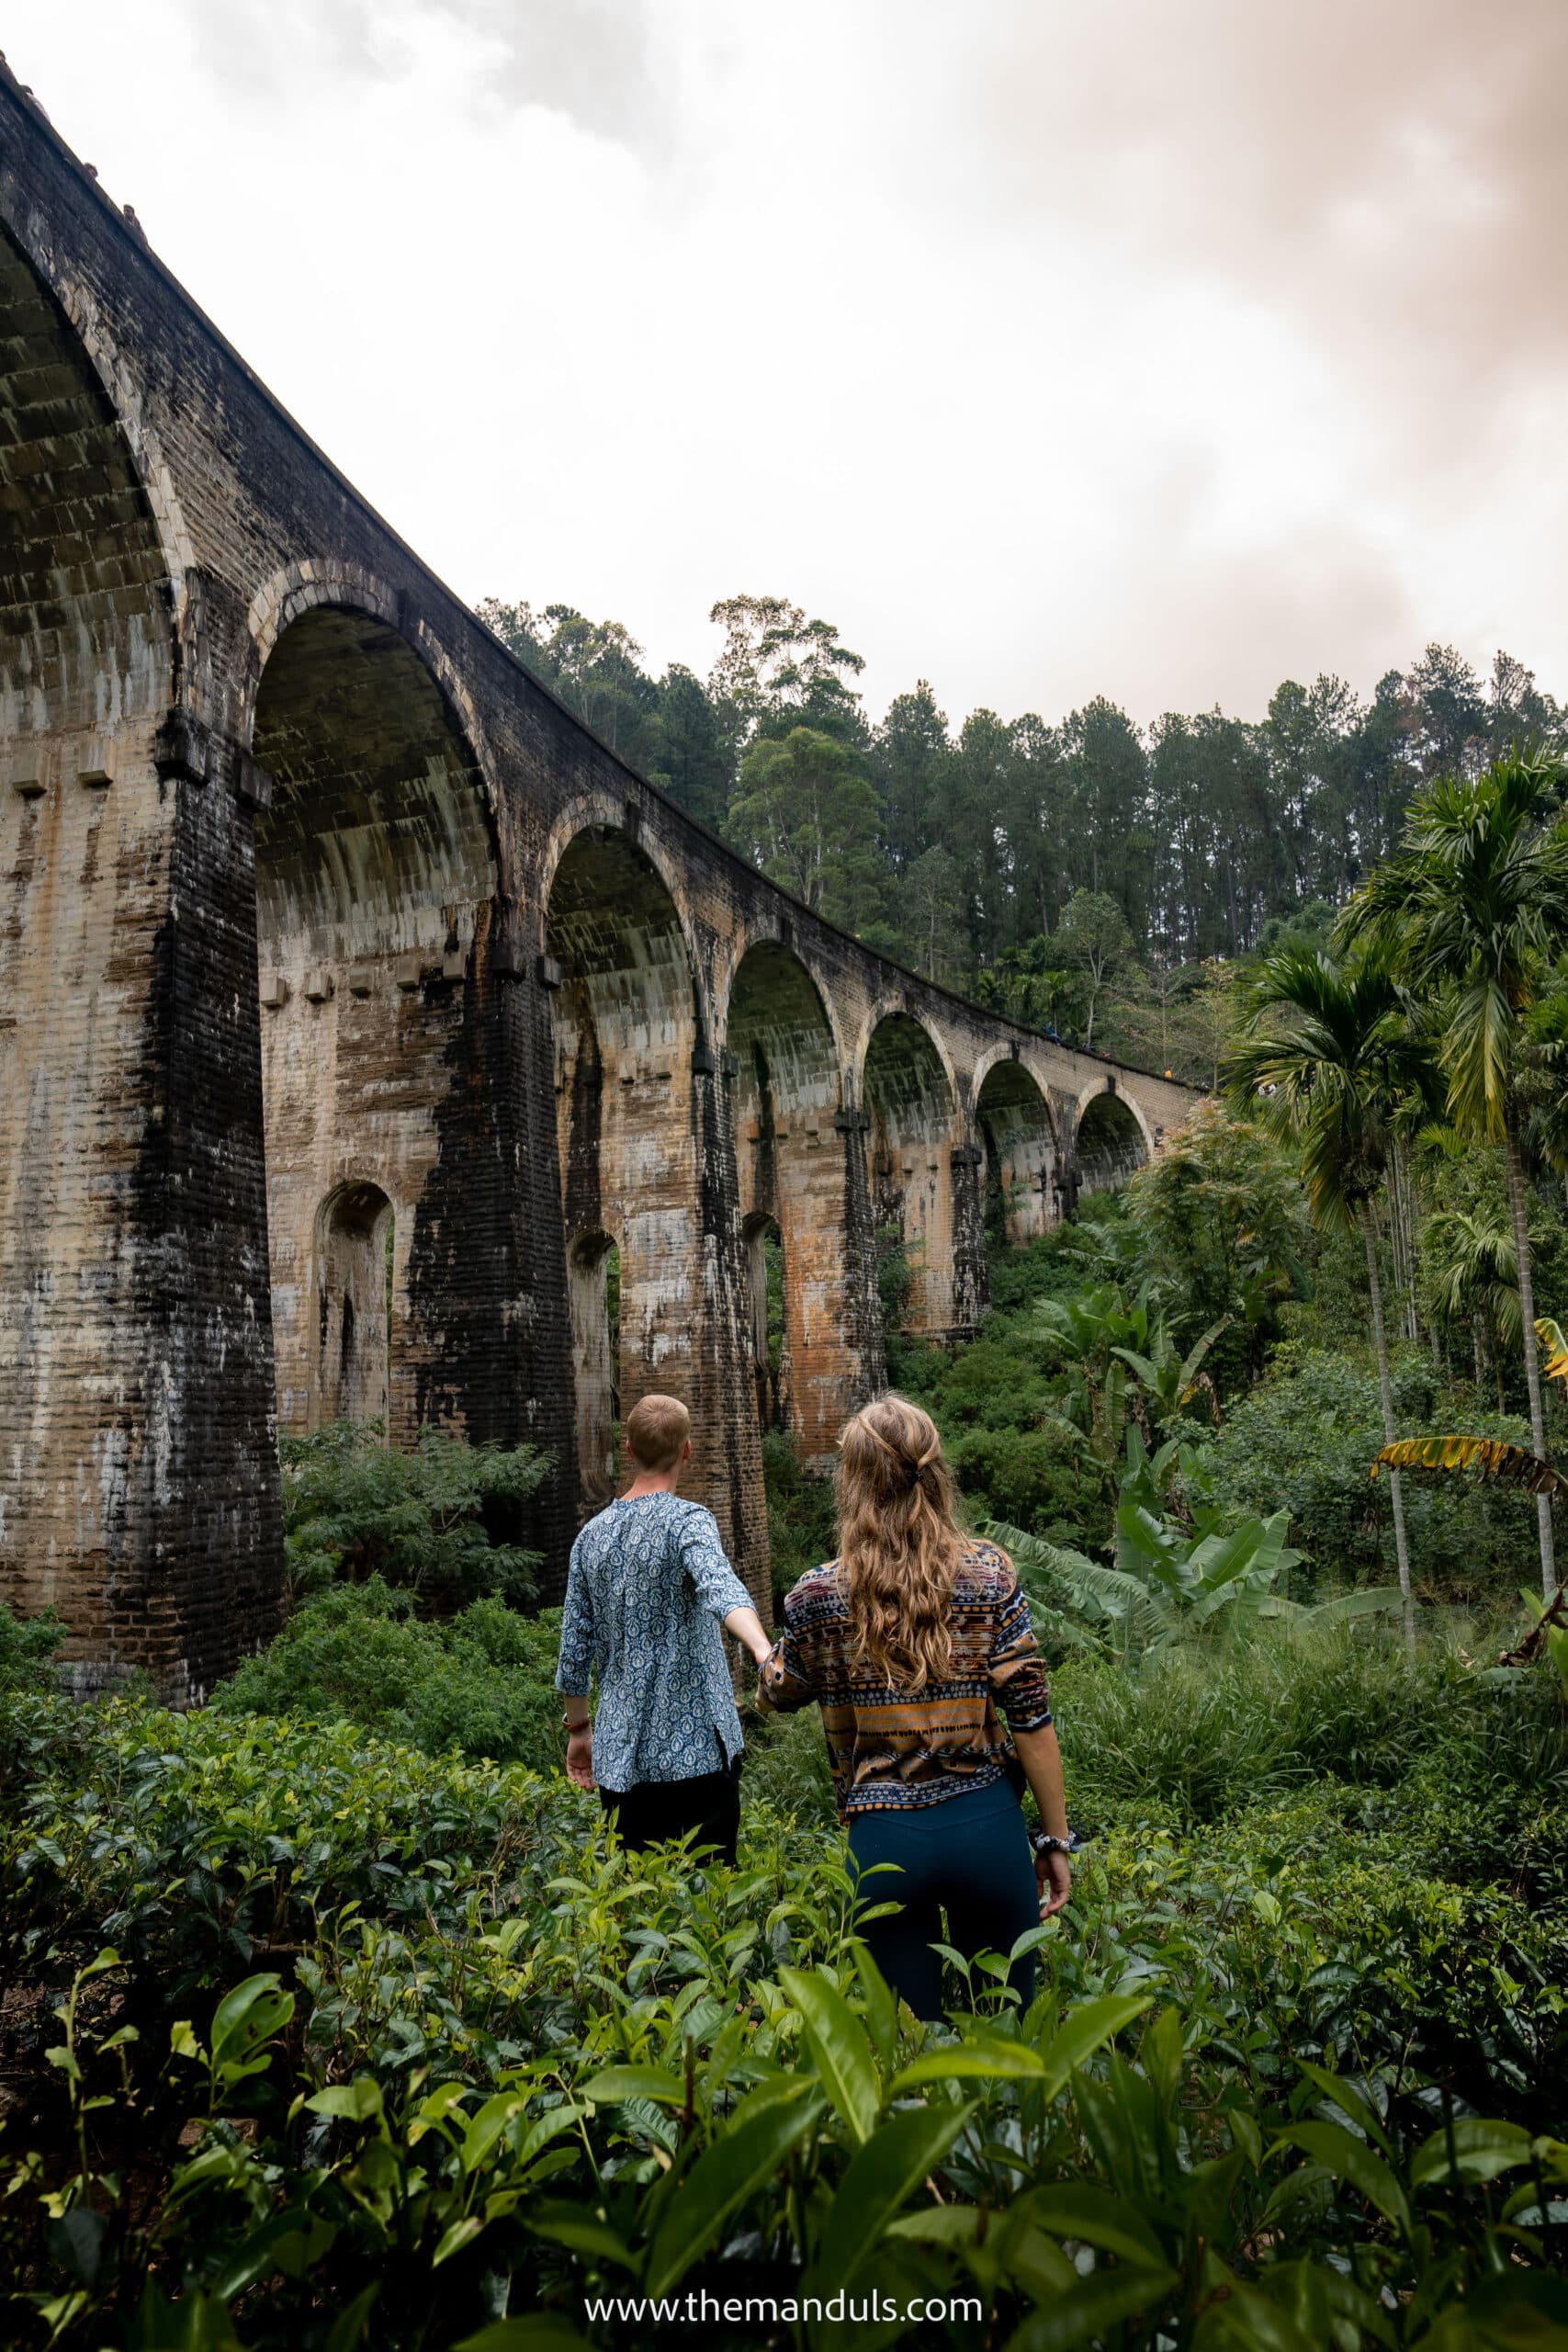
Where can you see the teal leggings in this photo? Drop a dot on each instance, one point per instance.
(969, 1856)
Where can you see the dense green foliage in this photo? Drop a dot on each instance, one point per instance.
(330, 2016)
(1086, 875)
(388, 2047)
(436, 1519)
(480, 1682)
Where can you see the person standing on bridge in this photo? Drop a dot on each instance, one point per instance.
(648, 1585)
(908, 1642)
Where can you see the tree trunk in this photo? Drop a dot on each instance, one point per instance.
(1385, 1383)
(1532, 1361)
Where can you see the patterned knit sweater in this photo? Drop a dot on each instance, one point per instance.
(892, 1748)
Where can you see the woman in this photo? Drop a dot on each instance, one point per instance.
(908, 1642)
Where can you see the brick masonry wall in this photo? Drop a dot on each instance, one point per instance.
(314, 900)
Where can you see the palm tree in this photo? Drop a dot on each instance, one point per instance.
(1475, 1273)
(1330, 1057)
(1474, 907)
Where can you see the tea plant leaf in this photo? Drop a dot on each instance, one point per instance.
(1348, 2100)
(947, 2226)
(1481, 2150)
(969, 2062)
(838, 2043)
(619, 2083)
(1084, 2030)
(1348, 2158)
(454, 2240)
(357, 2102)
(880, 2176)
(742, 2158)
(1077, 2210)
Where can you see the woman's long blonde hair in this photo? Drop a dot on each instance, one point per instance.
(898, 1543)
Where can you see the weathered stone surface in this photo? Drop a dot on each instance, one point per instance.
(355, 1000)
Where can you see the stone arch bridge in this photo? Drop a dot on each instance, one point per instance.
(360, 1012)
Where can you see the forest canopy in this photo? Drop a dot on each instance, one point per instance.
(1088, 874)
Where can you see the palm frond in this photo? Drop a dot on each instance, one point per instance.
(1550, 1335)
(1489, 1457)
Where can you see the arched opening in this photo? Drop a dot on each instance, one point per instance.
(375, 872)
(1012, 1121)
(791, 1170)
(1110, 1145)
(85, 602)
(593, 1283)
(770, 1335)
(625, 1034)
(353, 1307)
(909, 1100)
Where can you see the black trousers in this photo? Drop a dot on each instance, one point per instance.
(968, 1856)
(654, 1810)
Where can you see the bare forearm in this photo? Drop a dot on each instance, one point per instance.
(747, 1628)
(1042, 1760)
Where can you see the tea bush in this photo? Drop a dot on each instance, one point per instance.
(441, 1519)
(352, 2044)
(482, 1683)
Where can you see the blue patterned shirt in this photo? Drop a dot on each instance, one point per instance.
(648, 1587)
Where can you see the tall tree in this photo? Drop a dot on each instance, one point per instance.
(1093, 938)
(1330, 1058)
(908, 762)
(805, 813)
(931, 900)
(1475, 906)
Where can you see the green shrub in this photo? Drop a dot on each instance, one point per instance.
(1024, 1475)
(481, 1683)
(359, 2046)
(29, 1647)
(802, 1527)
(1304, 1441)
(354, 1508)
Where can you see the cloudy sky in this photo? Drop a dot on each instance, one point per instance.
(1157, 348)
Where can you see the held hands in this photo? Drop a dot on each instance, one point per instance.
(1055, 1873)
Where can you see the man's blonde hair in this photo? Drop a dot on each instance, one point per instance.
(657, 1428)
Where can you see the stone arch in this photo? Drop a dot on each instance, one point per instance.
(1112, 1140)
(88, 587)
(908, 1096)
(376, 875)
(780, 1036)
(1017, 1134)
(801, 1162)
(315, 581)
(648, 1154)
(354, 1309)
(378, 840)
(622, 1004)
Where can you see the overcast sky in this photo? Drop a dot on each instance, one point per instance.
(1156, 348)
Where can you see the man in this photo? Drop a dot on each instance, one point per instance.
(648, 1587)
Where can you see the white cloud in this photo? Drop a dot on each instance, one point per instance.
(1140, 350)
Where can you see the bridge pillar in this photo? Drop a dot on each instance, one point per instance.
(801, 1165)
(647, 1157)
(138, 1476)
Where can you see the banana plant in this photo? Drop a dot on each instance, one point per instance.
(1171, 1380)
(1489, 1457)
